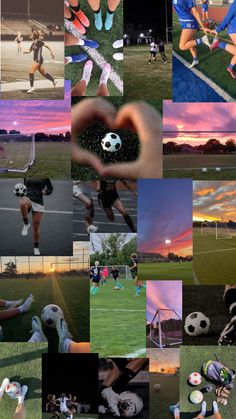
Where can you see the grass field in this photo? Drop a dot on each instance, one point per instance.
(51, 160)
(213, 65)
(70, 293)
(160, 401)
(197, 299)
(173, 270)
(188, 166)
(21, 362)
(191, 359)
(214, 260)
(105, 39)
(80, 416)
(118, 321)
(144, 80)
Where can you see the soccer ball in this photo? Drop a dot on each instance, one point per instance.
(204, 169)
(50, 315)
(196, 324)
(195, 379)
(13, 390)
(111, 142)
(130, 404)
(217, 169)
(20, 190)
(196, 397)
(157, 387)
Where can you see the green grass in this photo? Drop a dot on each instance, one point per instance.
(120, 328)
(70, 293)
(160, 401)
(212, 65)
(214, 260)
(105, 39)
(144, 80)
(52, 160)
(197, 174)
(173, 270)
(78, 415)
(21, 362)
(191, 359)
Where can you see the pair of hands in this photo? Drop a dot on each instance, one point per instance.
(138, 117)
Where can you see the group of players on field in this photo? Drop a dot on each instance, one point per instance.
(66, 406)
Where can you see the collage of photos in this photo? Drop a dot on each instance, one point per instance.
(117, 209)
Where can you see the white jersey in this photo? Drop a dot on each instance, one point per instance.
(153, 47)
(63, 406)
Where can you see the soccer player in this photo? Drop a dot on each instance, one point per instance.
(2, 152)
(52, 406)
(63, 406)
(229, 22)
(190, 22)
(80, 87)
(108, 197)
(18, 41)
(105, 273)
(111, 8)
(37, 48)
(83, 192)
(161, 47)
(134, 272)
(115, 273)
(34, 202)
(20, 412)
(74, 14)
(96, 276)
(175, 409)
(205, 9)
(228, 334)
(153, 51)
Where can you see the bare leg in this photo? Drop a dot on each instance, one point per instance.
(37, 217)
(79, 89)
(20, 412)
(186, 39)
(102, 90)
(94, 4)
(81, 347)
(113, 4)
(8, 314)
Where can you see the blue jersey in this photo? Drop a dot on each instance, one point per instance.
(229, 20)
(183, 10)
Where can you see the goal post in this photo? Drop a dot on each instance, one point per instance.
(17, 152)
(124, 271)
(166, 333)
(217, 229)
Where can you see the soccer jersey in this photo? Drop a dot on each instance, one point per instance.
(37, 48)
(96, 273)
(229, 20)
(153, 47)
(183, 10)
(35, 187)
(115, 273)
(63, 406)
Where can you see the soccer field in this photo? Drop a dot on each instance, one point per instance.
(214, 260)
(70, 293)
(160, 401)
(175, 270)
(191, 359)
(21, 362)
(118, 321)
(76, 416)
(144, 80)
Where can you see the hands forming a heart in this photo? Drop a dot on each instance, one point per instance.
(138, 117)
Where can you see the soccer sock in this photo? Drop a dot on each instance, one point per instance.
(26, 221)
(109, 11)
(203, 411)
(143, 286)
(9, 304)
(72, 18)
(87, 70)
(199, 41)
(230, 300)
(124, 378)
(97, 11)
(36, 244)
(129, 222)
(66, 344)
(31, 77)
(75, 8)
(215, 407)
(36, 337)
(222, 45)
(49, 77)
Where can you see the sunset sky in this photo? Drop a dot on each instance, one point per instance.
(165, 213)
(163, 294)
(214, 117)
(163, 358)
(49, 116)
(214, 200)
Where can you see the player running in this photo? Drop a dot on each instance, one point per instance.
(18, 40)
(133, 266)
(108, 197)
(83, 192)
(33, 202)
(229, 22)
(115, 273)
(205, 10)
(153, 51)
(52, 406)
(190, 22)
(228, 334)
(63, 406)
(161, 47)
(96, 277)
(37, 48)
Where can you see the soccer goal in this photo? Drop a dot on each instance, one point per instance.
(124, 271)
(217, 229)
(166, 333)
(17, 152)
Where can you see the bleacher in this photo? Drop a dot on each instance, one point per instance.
(10, 27)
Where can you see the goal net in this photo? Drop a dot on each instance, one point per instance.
(17, 152)
(166, 328)
(217, 229)
(124, 271)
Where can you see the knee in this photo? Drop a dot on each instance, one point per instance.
(36, 225)
(182, 46)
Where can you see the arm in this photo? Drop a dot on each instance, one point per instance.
(231, 13)
(46, 46)
(48, 187)
(195, 14)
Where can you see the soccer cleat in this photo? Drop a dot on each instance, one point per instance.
(88, 43)
(106, 71)
(78, 25)
(92, 229)
(214, 44)
(118, 56)
(21, 398)
(206, 41)
(14, 304)
(4, 384)
(25, 229)
(98, 20)
(194, 63)
(231, 72)
(63, 333)
(228, 334)
(76, 58)
(37, 327)
(31, 90)
(82, 18)
(109, 21)
(118, 44)
(26, 305)
(112, 399)
(36, 251)
(102, 410)
(87, 71)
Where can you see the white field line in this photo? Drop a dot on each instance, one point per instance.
(214, 251)
(97, 57)
(24, 85)
(201, 76)
(135, 354)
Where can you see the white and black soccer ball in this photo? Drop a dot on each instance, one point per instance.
(50, 314)
(111, 142)
(20, 190)
(130, 404)
(197, 324)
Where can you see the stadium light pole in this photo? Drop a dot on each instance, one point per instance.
(28, 9)
(168, 242)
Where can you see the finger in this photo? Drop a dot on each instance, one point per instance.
(84, 157)
(124, 170)
(89, 110)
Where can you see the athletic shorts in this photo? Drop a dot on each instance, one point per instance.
(161, 49)
(96, 280)
(205, 7)
(37, 207)
(231, 30)
(189, 25)
(115, 278)
(153, 53)
(40, 61)
(108, 198)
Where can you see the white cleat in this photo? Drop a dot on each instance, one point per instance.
(21, 398)
(5, 383)
(194, 64)
(36, 251)
(118, 44)
(112, 399)
(26, 305)
(25, 229)
(32, 89)
(206, 41)
(118, 56)
(37, 327)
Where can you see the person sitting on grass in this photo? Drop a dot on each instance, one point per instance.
(14, 308)
(175, 409)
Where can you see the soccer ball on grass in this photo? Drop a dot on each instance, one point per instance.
(196, 324)
(50, 315)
